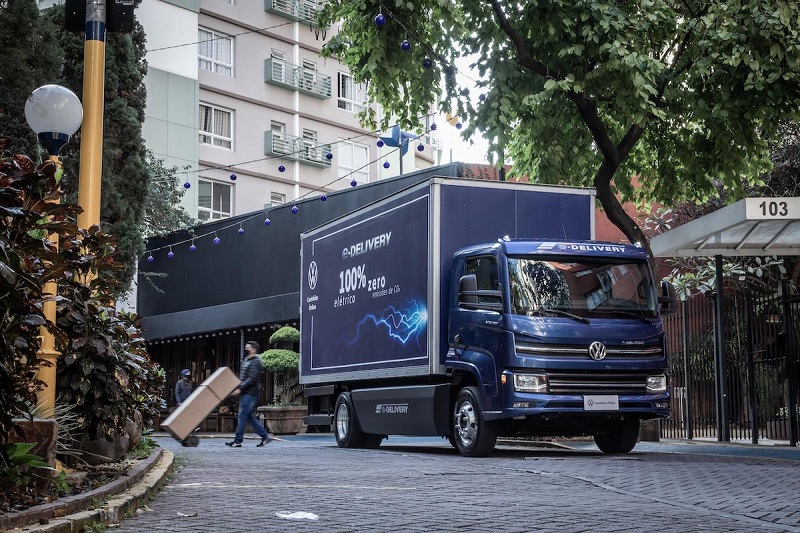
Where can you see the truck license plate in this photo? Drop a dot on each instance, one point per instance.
(608, 402)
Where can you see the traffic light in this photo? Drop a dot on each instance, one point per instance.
(119, 16)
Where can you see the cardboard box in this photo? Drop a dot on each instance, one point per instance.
(222, 382)
(203, 400)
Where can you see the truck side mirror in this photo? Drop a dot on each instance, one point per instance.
(668, 301)
(468, 289)
(469, 297)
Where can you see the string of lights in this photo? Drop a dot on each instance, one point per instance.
(216, 38)
(150, 258)
(287, 155)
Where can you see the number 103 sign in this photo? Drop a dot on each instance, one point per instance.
(773, 208)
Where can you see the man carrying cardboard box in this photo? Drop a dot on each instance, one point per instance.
(249, 391)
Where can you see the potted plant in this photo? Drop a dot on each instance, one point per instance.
(283, 415)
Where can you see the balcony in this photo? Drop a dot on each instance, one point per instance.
(305, 80)
(299, 10)
(292, 148)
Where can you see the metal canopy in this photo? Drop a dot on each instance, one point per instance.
(753, 226)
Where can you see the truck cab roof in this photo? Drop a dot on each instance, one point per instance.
(566, 247)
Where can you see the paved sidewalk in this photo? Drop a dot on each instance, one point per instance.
(307, 484)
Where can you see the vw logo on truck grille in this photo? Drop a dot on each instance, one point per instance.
(597, 350)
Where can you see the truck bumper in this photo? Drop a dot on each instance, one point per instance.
(580, 406)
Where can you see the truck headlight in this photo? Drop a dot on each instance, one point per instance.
(657, 383)
(530, 382)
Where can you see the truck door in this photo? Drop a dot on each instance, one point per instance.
(477, 321)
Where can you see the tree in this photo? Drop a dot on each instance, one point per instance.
(698, 274)
(31, 58)
(162, 210)
(683, 94)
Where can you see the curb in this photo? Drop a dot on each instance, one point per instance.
(121, 496)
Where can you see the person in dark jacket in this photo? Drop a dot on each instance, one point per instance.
(248, 391)
(184, 387)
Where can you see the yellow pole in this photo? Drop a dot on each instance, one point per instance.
(46, 398)
(94, 66)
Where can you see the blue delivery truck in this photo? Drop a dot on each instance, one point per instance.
(472, 309)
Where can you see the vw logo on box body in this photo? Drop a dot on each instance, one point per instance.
(312, 275)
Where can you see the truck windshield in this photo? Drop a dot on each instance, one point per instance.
(584, 287)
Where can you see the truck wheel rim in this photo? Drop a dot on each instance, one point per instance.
(466, 423)
(342, 421)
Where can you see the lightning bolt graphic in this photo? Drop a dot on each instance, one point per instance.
(401, 324)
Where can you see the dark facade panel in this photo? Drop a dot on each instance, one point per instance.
(247, 279)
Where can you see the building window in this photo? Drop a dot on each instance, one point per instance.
(309, 77)
(277, 198)
(216, 126)
(215, 51)
(213, 200)
(311, 152)
(352, 96)
(278, 65)
(353, 161)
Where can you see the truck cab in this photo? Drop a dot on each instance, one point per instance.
(556, 338)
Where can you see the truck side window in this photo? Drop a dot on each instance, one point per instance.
(485, 270)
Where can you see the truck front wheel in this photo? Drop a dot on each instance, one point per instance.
(620, 437)
(348, 434)
(473, 436)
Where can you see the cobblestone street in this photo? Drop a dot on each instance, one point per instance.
(424, 485)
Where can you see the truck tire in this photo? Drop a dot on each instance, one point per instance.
(473, 436)
(371, 440)
(345, 425)
(620, 437)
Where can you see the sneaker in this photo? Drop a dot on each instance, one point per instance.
(265, 440)
(234, 444)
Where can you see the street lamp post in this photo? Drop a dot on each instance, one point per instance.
(54, 113)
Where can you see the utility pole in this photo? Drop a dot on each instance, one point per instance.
(94, 73)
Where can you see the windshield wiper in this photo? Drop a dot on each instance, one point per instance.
(559, 312)
(626, 313)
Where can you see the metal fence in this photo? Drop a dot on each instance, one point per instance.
(760, 362)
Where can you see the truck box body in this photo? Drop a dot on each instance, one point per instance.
(375, 282)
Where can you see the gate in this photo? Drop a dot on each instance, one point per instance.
(761, 367)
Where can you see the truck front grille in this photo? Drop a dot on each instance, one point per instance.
(578, 350)
(596, 383)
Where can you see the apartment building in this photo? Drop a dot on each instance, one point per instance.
(238, 96)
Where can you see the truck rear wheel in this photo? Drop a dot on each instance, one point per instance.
(348, 434)
(620, 437)
(473, 436)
